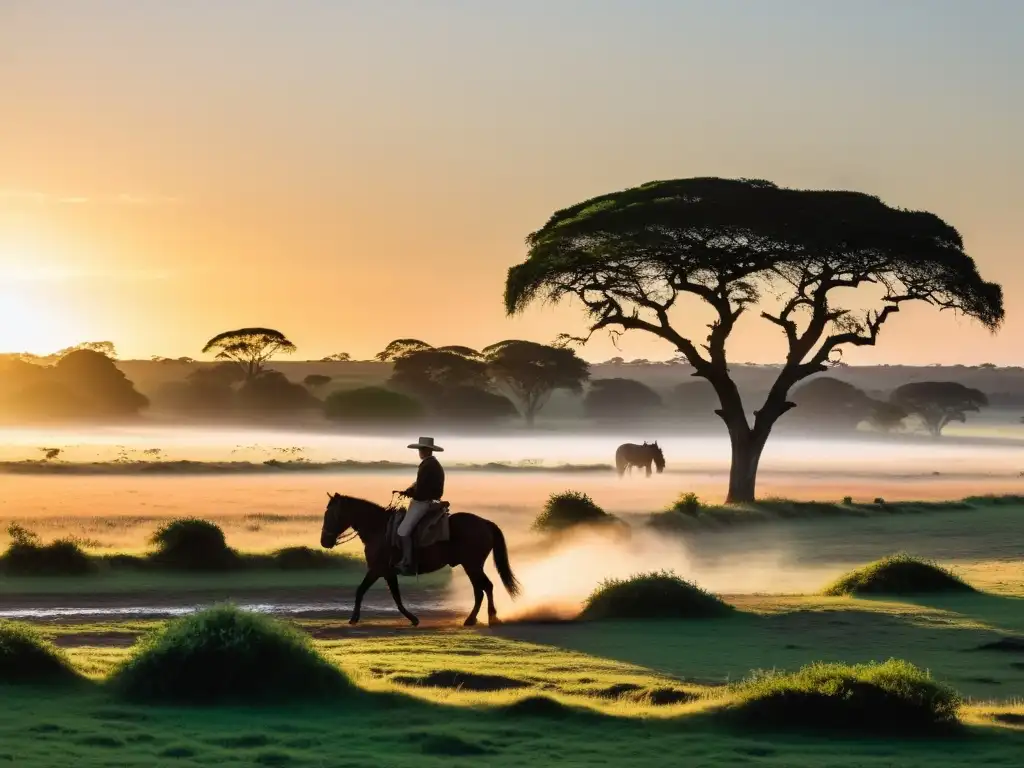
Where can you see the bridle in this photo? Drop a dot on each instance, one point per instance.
(391, 507)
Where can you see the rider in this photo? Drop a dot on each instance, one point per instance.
(428, 488)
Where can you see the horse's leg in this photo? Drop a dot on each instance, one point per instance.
(648, 468)
(367, 582)
(474, 574)
(492, 614)
(392, 581)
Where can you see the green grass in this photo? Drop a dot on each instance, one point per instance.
(225, 654)
(652, 596)
(892, 698)
(898, 574)
(27, 657)
(689, 513)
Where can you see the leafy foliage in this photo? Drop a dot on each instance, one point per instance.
(249, 348)
(898, 574)
(399, 348)
(630, 256)
(886, 417)
(26, 556)
(192, 544)
(827, 402)
(659, 595)
(273, 392)
(531, 372)
(937, 403)
(372, 405)
(25, 657)
(569, 508)
(224, 654)
(316, 380)
(894, 697)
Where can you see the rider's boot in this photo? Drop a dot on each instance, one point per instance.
(404, 566)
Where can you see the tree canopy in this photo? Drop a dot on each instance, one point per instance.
(630, 256)
(249, 348)
(530, 372)
(937, 403)
(611, 399)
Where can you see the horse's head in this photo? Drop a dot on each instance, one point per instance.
(659, 457)
(337, 519)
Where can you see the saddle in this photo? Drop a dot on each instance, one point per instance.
(431, 529)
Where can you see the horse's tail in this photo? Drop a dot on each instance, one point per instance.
(501, 561)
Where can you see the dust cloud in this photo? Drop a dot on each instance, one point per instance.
(557, 579)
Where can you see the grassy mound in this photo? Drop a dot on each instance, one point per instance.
(224, 654)
(894, 697)
(565, 510)
(192, 544)
(26, 556)
(25, 657)
(652, 596)
(898, 574)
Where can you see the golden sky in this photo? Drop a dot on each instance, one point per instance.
(353, 172)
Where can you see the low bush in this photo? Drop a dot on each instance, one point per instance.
(564, 510)
(898, 574)
(223, 654)
(25, 657)
(192, 544)
(305, 558)
(652, 596)
(894, 697)
(26, 556)
(372, 405)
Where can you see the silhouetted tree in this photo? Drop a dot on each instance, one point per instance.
(337, 357)
(106, 348)
(98, 385)
(272, 392)
(399, 348)
(428, 373)
(825, 402)
(937, 403)
(472, 403)
(631, 255)
(372, 405)
(316, 380)
(620, 399)
(249, 348)
(886, 417)
(531, 372)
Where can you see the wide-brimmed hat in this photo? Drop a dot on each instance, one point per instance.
(428, 443)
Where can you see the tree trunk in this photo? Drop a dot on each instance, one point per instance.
(529, 416)
(746, 455)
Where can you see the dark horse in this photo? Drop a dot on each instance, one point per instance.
(471, 539)
(629, 455)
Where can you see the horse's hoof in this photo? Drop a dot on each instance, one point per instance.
(470, 622)
(354, 620)
(494, 621)
(414, 621)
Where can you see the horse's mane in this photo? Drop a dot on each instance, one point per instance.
(372, 505)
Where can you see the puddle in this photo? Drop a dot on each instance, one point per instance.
(307, 610)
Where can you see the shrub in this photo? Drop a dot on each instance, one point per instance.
(687, 504)
(564, 510)
(898, 574)
(25, 657)
(224, 654)
(192, 544)
(892, 697)
(652, 596)
(372, 405)
(305, 558)
(27, 557)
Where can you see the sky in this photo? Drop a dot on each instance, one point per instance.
(354, 172)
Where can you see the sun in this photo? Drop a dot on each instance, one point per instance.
(31, 323)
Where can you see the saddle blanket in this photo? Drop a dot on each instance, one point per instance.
(431, 529)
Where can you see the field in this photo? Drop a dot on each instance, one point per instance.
(541, 688)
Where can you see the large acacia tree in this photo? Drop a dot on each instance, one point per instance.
(630, 257)
(249, 348)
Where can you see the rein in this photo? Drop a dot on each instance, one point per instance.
(390, 508)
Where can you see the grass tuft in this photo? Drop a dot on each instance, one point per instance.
(898, 574)
(192, 544)
(225, 654)
(658, 595)
(894, 697)
(567, 509)
(25, 657)
(26, 556)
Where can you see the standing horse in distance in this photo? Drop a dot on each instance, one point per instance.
(629, 455)
(471, 540)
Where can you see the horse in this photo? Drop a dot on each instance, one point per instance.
(629, 455)
(471, 539)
